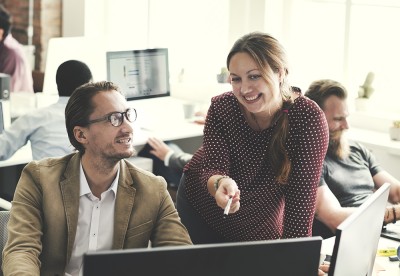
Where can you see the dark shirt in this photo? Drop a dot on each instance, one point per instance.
(268, 210)
(350, 179)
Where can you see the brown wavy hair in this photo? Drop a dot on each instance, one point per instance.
(271, 58)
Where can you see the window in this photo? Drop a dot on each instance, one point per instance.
(344, 40)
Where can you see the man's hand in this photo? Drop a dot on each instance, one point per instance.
(323, 269)
(160, 149)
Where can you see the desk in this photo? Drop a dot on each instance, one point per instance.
(382, 267)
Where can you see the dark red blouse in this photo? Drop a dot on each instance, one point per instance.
(268, 210)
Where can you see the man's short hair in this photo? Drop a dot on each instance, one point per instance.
(80, 106)
(320, 90)
(5, 20)
(70, 75)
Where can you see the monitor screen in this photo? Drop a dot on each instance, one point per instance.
(286, 257)
(140, 74)
(357, 237)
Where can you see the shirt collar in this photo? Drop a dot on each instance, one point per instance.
(84, 185)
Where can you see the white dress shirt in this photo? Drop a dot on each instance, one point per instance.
(95, 223)
(44, 127)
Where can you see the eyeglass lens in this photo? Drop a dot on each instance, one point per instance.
(117, 118)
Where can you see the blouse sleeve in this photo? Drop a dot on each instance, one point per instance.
(307, 146)
(216, 159)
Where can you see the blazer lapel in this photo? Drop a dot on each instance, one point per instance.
(123, 205)
(70, 192)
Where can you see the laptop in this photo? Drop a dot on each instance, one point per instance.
(391, 231)
(357, 237)
(285, 257)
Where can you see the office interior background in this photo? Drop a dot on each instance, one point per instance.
(338, 39)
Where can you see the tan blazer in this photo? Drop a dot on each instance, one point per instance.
(44, 215)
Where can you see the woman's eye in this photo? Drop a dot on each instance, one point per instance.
(235, 79)
(254, 77)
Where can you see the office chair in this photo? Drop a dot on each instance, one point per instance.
(4, 205)
(4, 217)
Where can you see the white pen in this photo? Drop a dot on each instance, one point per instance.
(228, 206)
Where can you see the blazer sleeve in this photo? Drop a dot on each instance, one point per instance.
(168, 229)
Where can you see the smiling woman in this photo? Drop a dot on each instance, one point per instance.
(273, 161)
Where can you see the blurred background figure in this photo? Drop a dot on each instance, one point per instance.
(12, 57)
(45, 127)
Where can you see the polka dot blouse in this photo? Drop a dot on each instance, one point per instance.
(268, 210)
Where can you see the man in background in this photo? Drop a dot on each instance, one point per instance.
(12, 57)
(350, 173)
(45, 127)
(90, 200)
(168, 158)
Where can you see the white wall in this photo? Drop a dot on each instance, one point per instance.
(198, 36)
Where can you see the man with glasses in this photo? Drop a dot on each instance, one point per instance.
(90, 200)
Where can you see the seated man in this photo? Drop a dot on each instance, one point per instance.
(45, 127)
(350, 173)
(90, 200)
(168, 158)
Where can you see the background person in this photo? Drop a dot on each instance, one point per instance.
(45, 127)
(263, 145)
(90, 200)
(168, 158)
(350, 172)
(12, 57)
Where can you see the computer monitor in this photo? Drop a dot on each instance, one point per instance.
(141, 74)
(1, 118)
(276, 257)
(357, 237)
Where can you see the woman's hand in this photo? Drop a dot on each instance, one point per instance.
(228, 188)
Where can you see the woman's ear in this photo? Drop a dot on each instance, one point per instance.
(282, 75)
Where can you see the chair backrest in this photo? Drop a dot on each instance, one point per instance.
(5, 205)
(4, 217)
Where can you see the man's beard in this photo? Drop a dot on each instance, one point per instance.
(338, 144)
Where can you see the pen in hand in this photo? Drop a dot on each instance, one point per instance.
(228, 206)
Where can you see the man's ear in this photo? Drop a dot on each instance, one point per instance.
(79, 133)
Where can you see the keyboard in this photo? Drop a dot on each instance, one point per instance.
(391, 231)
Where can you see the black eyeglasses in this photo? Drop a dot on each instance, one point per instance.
(117, 118)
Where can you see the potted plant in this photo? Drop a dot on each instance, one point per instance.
(223, 76)
(364, 93)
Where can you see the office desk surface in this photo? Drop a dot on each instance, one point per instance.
(22, 156)
(382, 267)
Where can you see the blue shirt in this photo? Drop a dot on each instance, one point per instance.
(44, 128)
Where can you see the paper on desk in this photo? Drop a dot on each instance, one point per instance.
(327, 246)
